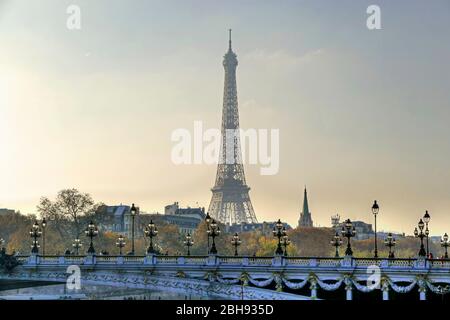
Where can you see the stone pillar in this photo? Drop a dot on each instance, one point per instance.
(348, 288)
(422, 288)
(349, 292)
(212, 260)
(420, 263)
(423, 293)
(278, 282)
(33, 259)
(150, 258)
(385, 290)
(119, 260)
(61, 260)
(386, 294)
(313, 288)
(347, 262)
(181, 260)
(277, 261)
(245, 261)
(313, 262)
(89, 259)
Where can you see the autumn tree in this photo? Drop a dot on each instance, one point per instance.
(70, 211)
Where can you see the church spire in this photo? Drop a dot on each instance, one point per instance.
(305, 216)
(305, 201)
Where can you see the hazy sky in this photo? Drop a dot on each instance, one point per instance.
(362, 114)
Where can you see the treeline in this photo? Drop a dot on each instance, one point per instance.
(69, 214)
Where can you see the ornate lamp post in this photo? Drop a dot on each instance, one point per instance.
(77, 245)
(133, 212)
(44, 225)
(421, 235)
(208, 221)
(375, 210)
(348, 231)
(35, 233)
(151, 231)
(445, 244)
(213, 232)
(390, 242)
(426, 219)
(285, 241)
(236, 242)
(188, 242)
(120, 243)
(336, 242)
(277, 232)
(91, 232)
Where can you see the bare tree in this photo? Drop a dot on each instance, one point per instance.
(69, 212)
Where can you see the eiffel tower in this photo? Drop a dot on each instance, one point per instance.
(230, 202)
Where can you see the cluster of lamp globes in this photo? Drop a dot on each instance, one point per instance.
(279, 231)
(348, 231)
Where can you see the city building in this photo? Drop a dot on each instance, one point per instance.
(363, 230)
(305, 216)
(117, 219)
(6, 211)
(264, 227)
(187, 219)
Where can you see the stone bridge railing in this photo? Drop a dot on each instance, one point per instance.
(346, 262)
(362, 274)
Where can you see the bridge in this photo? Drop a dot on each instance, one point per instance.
(233, 277)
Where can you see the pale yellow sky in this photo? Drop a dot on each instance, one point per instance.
(362, 115)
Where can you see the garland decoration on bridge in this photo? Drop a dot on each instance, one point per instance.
(330, 287)
(400, 289)
(211, 276)
(260, 283)
(295, 285)
(439, 289)
(227, 281)
(363, 288)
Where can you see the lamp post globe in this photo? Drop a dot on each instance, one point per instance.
(91, 232)
(44, 225)
(133, 213)
(236, 242)
(120, 243)
(213, 232)
(445, 244)
(188, 242)
(277, 232)
(418, 233)
(208, 221)
(375, 211)
(348, 231)
(35, 233)
(285, 241)
(336, 242)
(427, 219)
(151, 231)
(390, 242)
(77, 245)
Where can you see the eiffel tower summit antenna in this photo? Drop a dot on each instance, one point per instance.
(230, 202)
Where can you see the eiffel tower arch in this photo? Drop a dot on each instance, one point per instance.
(230, 202)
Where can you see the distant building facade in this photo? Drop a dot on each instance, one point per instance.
(363, 230)
(187, 219)
(117, 219)
(305, 216)
(6, 211)
(264, 227)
